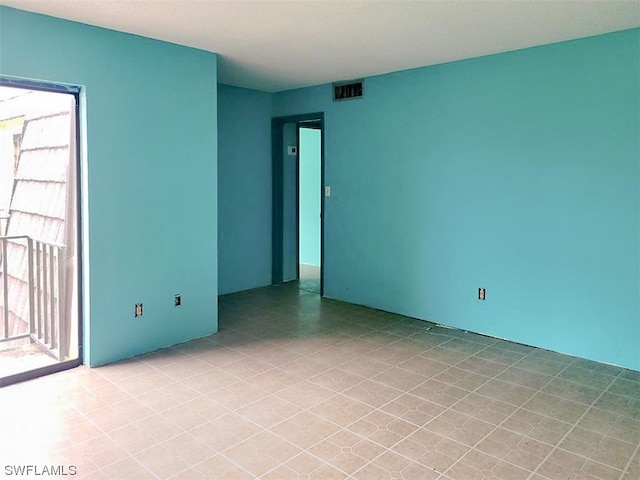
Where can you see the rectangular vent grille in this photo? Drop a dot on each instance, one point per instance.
(348, 90)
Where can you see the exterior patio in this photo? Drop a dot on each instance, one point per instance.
(37, 219)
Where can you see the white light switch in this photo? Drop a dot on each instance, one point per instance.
(327, 191)
(292, 150)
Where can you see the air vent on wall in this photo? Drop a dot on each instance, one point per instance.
(348, 90)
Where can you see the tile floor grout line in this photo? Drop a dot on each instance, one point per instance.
(268, 429)
(507, 418)
(102, 469)
(495, 376)
(628, 465)
(433, 377)
(302, 450)
(444, 411)
(345, 428)
(128, 454)
(534, 472)
(341, 428)
(107, 434)
(183, 431)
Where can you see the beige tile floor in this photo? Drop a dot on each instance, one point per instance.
(299, 387)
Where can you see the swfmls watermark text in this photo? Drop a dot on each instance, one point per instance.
(39, 470)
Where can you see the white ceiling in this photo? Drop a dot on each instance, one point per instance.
(279, 45)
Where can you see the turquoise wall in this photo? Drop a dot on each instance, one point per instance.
(151, 165)
(244, 189)
(289, 203)
(516, 172)
(309, 222)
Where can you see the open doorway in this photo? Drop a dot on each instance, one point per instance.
(39, 225)
(298, 176)
(309, 200)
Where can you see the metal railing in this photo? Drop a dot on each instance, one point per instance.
(32, 295)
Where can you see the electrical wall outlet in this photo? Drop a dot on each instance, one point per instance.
(482, 294)
(138, 310)
(177, 300)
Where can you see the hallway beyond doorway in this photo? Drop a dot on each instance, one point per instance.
(297, 199)
(309, 279)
